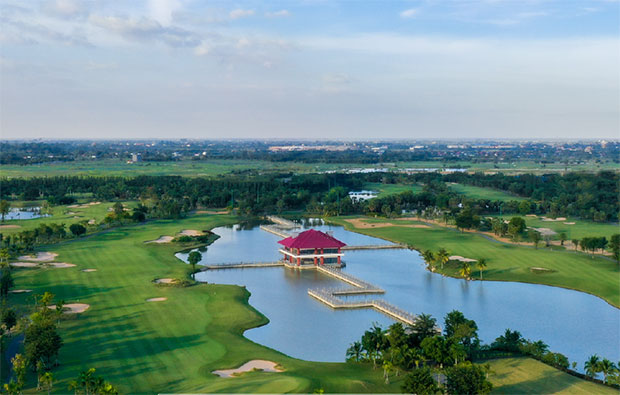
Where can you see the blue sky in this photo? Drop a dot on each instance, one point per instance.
(309, 69)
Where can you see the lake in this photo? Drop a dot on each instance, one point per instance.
(573, 323)
(29, 213)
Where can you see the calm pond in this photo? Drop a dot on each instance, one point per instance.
(24, 213)
(573, 323)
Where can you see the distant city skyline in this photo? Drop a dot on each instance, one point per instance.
(310, 69)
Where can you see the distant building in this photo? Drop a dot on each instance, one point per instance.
(362, 195)
(312, 247)
(136, 158)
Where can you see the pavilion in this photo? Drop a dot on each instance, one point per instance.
(312, 247)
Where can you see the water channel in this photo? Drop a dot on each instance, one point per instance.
(573, 323)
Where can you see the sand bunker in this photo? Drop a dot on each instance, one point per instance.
(191, 232)
(93, 203)
(70, 213)
(166, 281)
(462, 259)
(91, 221)
(531, 215)
(256, 364)
(156, 299)
(220, 212)
(89, 270)
(9, 226)
(569, 223)
(545, 231)
(60, 264)
(20, 291)
(163, 239)
(24, 264)
(553, 220)
(74, 206)
(72, 308)
(541, 270)
(40, 257)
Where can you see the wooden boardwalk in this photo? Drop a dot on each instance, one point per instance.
(282, 222)
(276, 230)
(375, 247)
(241, 265)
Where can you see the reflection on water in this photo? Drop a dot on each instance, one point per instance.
(573, 323)
(24, 213)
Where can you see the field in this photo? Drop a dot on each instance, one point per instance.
(169, 346)
(506, 262)
(529, 376)
(483, 193)
(190, 168)
(389, 189)
(61, 214)
(576, 228)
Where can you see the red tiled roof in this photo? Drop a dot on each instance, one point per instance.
(312, 239)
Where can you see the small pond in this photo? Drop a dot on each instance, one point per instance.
(573, 323)
(24, 213)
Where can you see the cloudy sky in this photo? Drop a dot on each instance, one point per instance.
(309, 69)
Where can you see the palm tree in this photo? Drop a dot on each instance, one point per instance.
(443, 256)
(591, 365)
(606, 367)
(429, 258)
(354, 352)
(465, 269)
(481, 264)
(575, 243)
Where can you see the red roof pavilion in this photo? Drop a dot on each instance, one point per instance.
(312, 239)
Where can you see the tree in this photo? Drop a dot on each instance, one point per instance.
(118, 210)
(19, 369)
(534, 237)
(465, 269)
(42, 342)
(420, 382)
(606, 367)
(481, 264)
(429, 257)
(91, 384)
(354, 352)
(563, 238)
(591, 366)
(425, 326)
(509, 341)
(77, 229)
(516, 226)
(5, 207)
(443, 256)
(466, 378)
(437, 349)
(6, 281)
(193, 258)
(614, 244)
(4, 255)
(374, 341)
(575, 243)
(9, 318)
(47, 381)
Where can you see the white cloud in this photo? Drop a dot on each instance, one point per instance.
(202, 49)
(67, 8)
(162, 10)
(278, 14)
(410, 13)
(240, 13)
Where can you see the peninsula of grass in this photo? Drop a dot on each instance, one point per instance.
(170, 346)
(506, 262)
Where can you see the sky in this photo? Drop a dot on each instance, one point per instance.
(312, 69)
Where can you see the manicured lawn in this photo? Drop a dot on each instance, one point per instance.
(483, 193)
(389, 189)
(507, 262)
(63, 214)
(529, 376)
(576, 228)
(169, 346)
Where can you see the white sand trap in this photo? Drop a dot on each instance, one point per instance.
(462, 259)
(163, 239)
(20, 291)
(91, 221)
(166, 281)
(71, 213)
(40, 257)
(9, 226)
(545, 231)
(24, 264)
(93, 203)
(74, 206)
(553, 220)
(156, 299)
(531, 215)
(61, 265)
(72, 308)
(89, 270)
(190, 232)
(256, 364)
(569, 223)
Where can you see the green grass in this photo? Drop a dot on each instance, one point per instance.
(529, 376)
(61, 214)
(190, 168)
(581, 228)
(390, 189)
(169, 346)
(483, 193)
(508, 262)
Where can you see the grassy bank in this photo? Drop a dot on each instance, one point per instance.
(169, 346)
(528, 376)
(506, 262)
